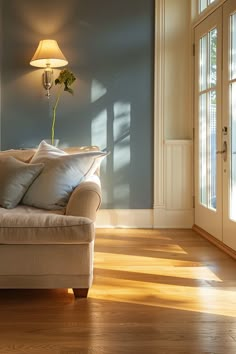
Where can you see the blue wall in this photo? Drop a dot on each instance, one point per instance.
(109, 46)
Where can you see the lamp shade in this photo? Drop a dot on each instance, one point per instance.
(47, 54)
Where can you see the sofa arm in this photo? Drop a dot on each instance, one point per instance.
(85, 200)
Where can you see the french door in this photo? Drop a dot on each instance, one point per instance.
(215, 124)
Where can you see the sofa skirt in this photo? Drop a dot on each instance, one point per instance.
(46, 266)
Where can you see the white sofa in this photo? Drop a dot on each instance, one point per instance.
(41, 248)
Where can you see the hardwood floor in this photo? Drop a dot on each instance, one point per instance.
(154, 292)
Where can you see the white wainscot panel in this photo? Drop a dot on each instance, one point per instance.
(178, 174)
(177, 210)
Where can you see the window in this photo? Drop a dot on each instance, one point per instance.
(203, 4)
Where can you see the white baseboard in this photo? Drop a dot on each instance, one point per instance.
(144, 218)
(179, 219)
(125, 218)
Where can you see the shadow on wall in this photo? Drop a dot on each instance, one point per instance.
(117, 120)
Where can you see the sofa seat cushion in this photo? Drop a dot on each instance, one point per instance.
(44, 229)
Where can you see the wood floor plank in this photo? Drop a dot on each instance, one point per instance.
(154, 291)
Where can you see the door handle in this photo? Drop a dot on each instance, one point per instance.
(224, 151)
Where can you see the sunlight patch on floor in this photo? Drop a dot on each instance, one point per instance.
(203, 299)
(166, 248)
(155, 266)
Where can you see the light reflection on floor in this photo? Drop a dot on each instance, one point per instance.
(161, 274)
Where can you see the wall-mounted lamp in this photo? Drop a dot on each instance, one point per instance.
(48, 55)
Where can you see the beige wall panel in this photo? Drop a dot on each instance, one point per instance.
(177, 95)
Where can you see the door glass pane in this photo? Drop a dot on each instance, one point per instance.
(207, 119)
(203, 5)
(203, 63)
(233, 154)
(212, 149)
(203, 149)
(233, 47)
(232, 101)
(212, 55)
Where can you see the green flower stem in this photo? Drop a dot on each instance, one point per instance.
(54, 112)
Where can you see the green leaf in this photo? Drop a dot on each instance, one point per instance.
(66, 78)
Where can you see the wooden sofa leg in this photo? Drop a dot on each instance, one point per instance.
(80, 292)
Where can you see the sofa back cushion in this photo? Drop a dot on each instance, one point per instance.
(26, 155)
(21, 155)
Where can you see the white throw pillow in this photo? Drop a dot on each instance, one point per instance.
(61, 174)
(46, 150)
(15, 178)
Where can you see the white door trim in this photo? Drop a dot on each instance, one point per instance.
(159, 70)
